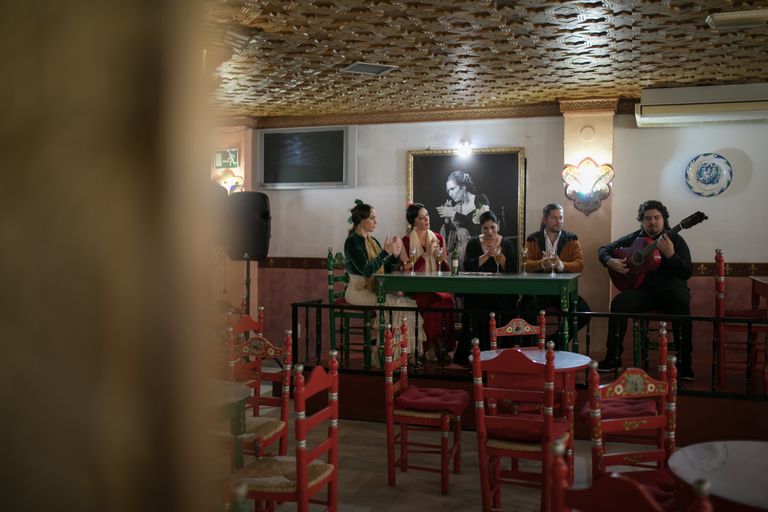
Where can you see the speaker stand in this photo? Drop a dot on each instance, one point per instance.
(247, 285)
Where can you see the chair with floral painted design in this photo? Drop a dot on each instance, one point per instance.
(639, 404)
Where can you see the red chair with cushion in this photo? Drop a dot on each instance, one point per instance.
(420, 410)
(527, 436)
(612, 493)
(628, 409)
(724, 346)
(634, 403)
(299, 478)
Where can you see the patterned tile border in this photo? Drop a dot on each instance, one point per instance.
(699, 269)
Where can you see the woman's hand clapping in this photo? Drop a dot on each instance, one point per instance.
(394, 246)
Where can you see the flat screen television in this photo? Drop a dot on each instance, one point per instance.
(317, 157)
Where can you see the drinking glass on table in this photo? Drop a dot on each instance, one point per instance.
(524, 258)
(412, 256)
(496, 253)
(439, 256)
(552, 257)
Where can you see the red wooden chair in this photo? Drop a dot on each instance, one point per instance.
(635, 403)
(419, 410)
(260, 430)
(517, 327)
(524, 436)
(740, 347)
(299, 478)
(612, 493)
(631, 408)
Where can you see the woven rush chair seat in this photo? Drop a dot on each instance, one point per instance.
(278, 474)
(430, 400)
(525, 446)
(256, 427)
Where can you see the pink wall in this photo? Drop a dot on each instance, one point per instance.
(279, 288)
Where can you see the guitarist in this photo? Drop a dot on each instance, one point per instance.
(665, 288)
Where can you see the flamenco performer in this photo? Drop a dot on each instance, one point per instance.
(421, 243)
(365, 258)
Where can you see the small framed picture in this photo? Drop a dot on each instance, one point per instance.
(225, 159)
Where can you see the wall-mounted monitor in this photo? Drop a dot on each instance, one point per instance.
(317, 157)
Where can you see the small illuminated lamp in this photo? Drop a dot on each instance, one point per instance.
(230, 181)
(586, 184)
(464, 149)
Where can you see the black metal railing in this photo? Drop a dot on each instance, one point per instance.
(308, 343)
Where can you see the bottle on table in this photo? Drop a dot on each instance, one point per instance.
(454, 263)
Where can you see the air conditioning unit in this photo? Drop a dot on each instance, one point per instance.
(704, 105)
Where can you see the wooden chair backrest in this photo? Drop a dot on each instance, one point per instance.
(517, 327)
(319, 382)
(392, 365)
(258, 348)
(512, 361)
(614, 492)
(336, 264)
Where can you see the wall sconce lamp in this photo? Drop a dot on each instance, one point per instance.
(464, 149)
(587, 184)
(230, 181)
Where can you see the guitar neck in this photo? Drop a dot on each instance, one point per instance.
(648, 249)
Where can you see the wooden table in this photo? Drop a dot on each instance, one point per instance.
(227, 400)
(566, 365)
(565, 286)
(736, 470)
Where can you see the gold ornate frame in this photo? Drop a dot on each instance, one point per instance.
(493, 170)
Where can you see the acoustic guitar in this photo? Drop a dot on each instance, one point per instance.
(643, 256)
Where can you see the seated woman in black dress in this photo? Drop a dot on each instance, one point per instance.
(481, 256)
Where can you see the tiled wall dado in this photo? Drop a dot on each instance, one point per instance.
(284, 281)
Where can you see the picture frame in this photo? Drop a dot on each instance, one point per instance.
(498, 176)
(225, 159)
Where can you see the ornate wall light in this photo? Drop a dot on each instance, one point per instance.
(465, 149)
(230, 181)
(587, 184)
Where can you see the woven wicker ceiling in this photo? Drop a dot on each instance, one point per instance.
(456, 54)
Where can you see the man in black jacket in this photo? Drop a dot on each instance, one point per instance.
(665, 288)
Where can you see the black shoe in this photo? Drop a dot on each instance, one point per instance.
(608, 365)
(686, 373)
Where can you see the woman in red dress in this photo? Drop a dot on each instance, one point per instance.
(425, 243)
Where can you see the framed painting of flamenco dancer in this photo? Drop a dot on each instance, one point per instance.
(457, 189)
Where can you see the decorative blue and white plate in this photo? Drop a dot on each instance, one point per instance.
(709, 174)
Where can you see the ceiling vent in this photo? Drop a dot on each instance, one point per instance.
(705, 105)
(364, 68)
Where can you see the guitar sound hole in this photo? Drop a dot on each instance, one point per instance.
(637, 258)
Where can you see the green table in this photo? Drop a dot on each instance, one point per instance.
(565, 286)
